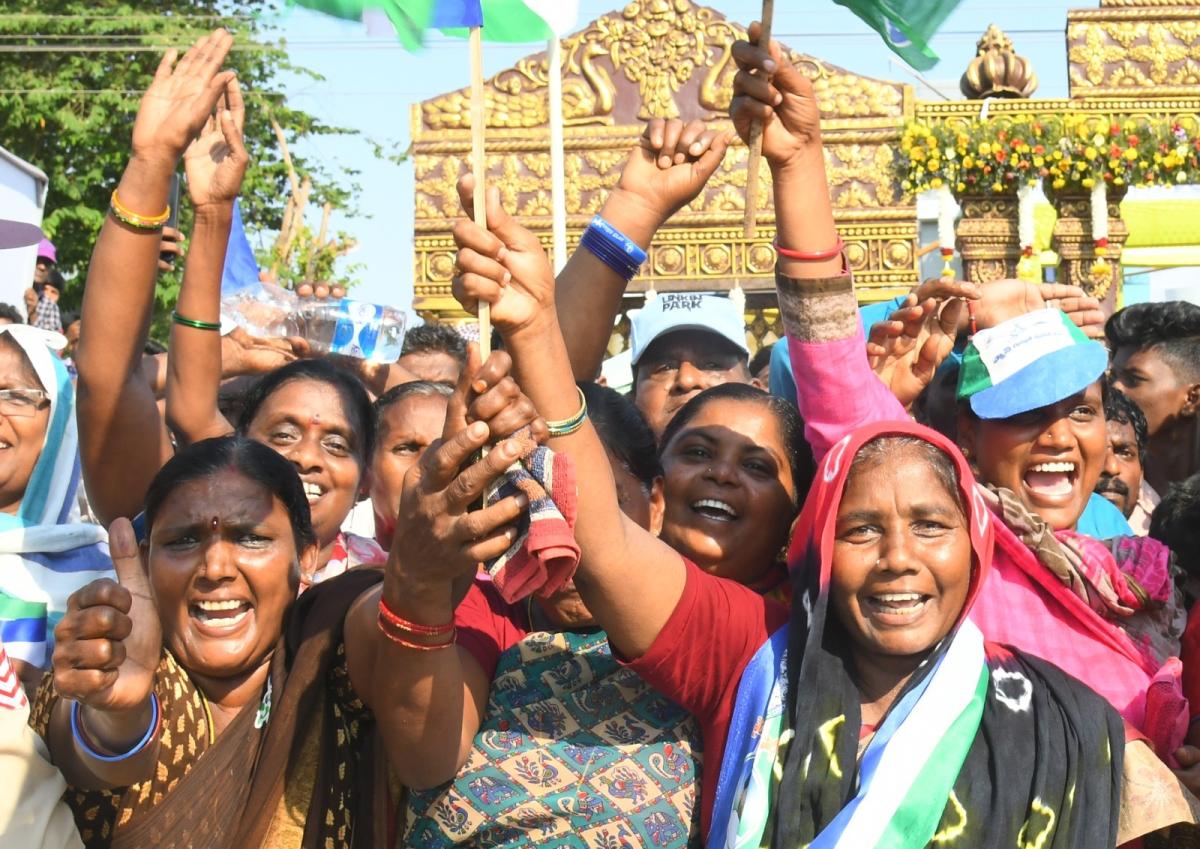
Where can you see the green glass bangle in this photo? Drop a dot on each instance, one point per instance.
(566, 427)
(199, 325)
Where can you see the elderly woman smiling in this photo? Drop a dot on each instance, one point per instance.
(878, 710)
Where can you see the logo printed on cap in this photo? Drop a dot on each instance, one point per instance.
(681, 301)
(1012, 345)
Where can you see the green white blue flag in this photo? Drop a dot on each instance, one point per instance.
(907, 26)
(514, 21)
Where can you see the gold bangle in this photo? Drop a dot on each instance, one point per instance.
(566, 427)
(140, 222)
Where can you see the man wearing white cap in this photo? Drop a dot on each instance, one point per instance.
(682, 344)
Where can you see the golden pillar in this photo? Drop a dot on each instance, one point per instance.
(1072, 240)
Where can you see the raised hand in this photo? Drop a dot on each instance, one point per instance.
(243, 354)
(181, 98)
(439, 537)
(504, 265)
(488, 394)
(1005, 299)
(906, 350)
(768, 88)
(1080, 307)
(216, 161)
(108, 644)
(670, 165)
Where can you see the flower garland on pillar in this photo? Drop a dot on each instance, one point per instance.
(947, 208)
(1029, 267)
(1101, 267)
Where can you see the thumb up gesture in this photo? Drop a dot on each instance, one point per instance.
(108, 644)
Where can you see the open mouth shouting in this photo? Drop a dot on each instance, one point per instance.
(1051, 484)
(219, 617)
(715, 510)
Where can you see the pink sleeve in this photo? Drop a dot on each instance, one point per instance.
(836, 390)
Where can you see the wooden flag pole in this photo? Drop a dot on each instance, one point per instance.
(750, 227)
(479, 169)
(558, 180)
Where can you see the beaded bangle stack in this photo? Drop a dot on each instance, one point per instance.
(566, 427)
(399, 630)
(81, 738)
(138, 222)
(613, 248)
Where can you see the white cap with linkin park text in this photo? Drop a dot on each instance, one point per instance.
(686, 311)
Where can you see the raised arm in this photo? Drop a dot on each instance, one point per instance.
(665, 171)
(836, 389)
(122, 439)
(429, 703)
(630, 580)
(216, 163)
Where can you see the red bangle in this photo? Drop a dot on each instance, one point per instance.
(386, 613)
(813, 256)
(971, 313)
(397, 636)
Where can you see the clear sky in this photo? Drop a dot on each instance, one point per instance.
(369, 84)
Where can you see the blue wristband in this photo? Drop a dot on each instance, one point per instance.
(609, 254)
(83, 743)
(613, 248)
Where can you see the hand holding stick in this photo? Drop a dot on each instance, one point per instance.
(755, 141)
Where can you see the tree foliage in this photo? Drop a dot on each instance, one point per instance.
(71, 75)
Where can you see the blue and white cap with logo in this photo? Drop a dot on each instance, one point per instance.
(686, 311)
(1028, 362)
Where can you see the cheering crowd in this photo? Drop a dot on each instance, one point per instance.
(931, 589)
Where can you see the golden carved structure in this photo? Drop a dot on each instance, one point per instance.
(1144, 48)
(1072, 241)
(672, 58)
(996, 70)
(662, 58)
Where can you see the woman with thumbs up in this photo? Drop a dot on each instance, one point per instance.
(195, 701)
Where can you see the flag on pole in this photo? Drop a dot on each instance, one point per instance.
(512, 21)
(408, 18)
(907, 26)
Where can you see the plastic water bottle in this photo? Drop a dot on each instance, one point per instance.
(353, 329)
(261, 309)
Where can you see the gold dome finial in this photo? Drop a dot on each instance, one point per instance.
(996, 70)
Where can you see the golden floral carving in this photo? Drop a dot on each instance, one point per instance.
(661, 58)
(659, 48)
(1094, 52)
(1154, 49)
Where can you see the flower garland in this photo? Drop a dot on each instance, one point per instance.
(947, 209)
(1029, 267)
(1101, 269)
(1071, 153)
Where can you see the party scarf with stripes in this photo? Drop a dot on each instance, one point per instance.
(46, 553)
(982, 748)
